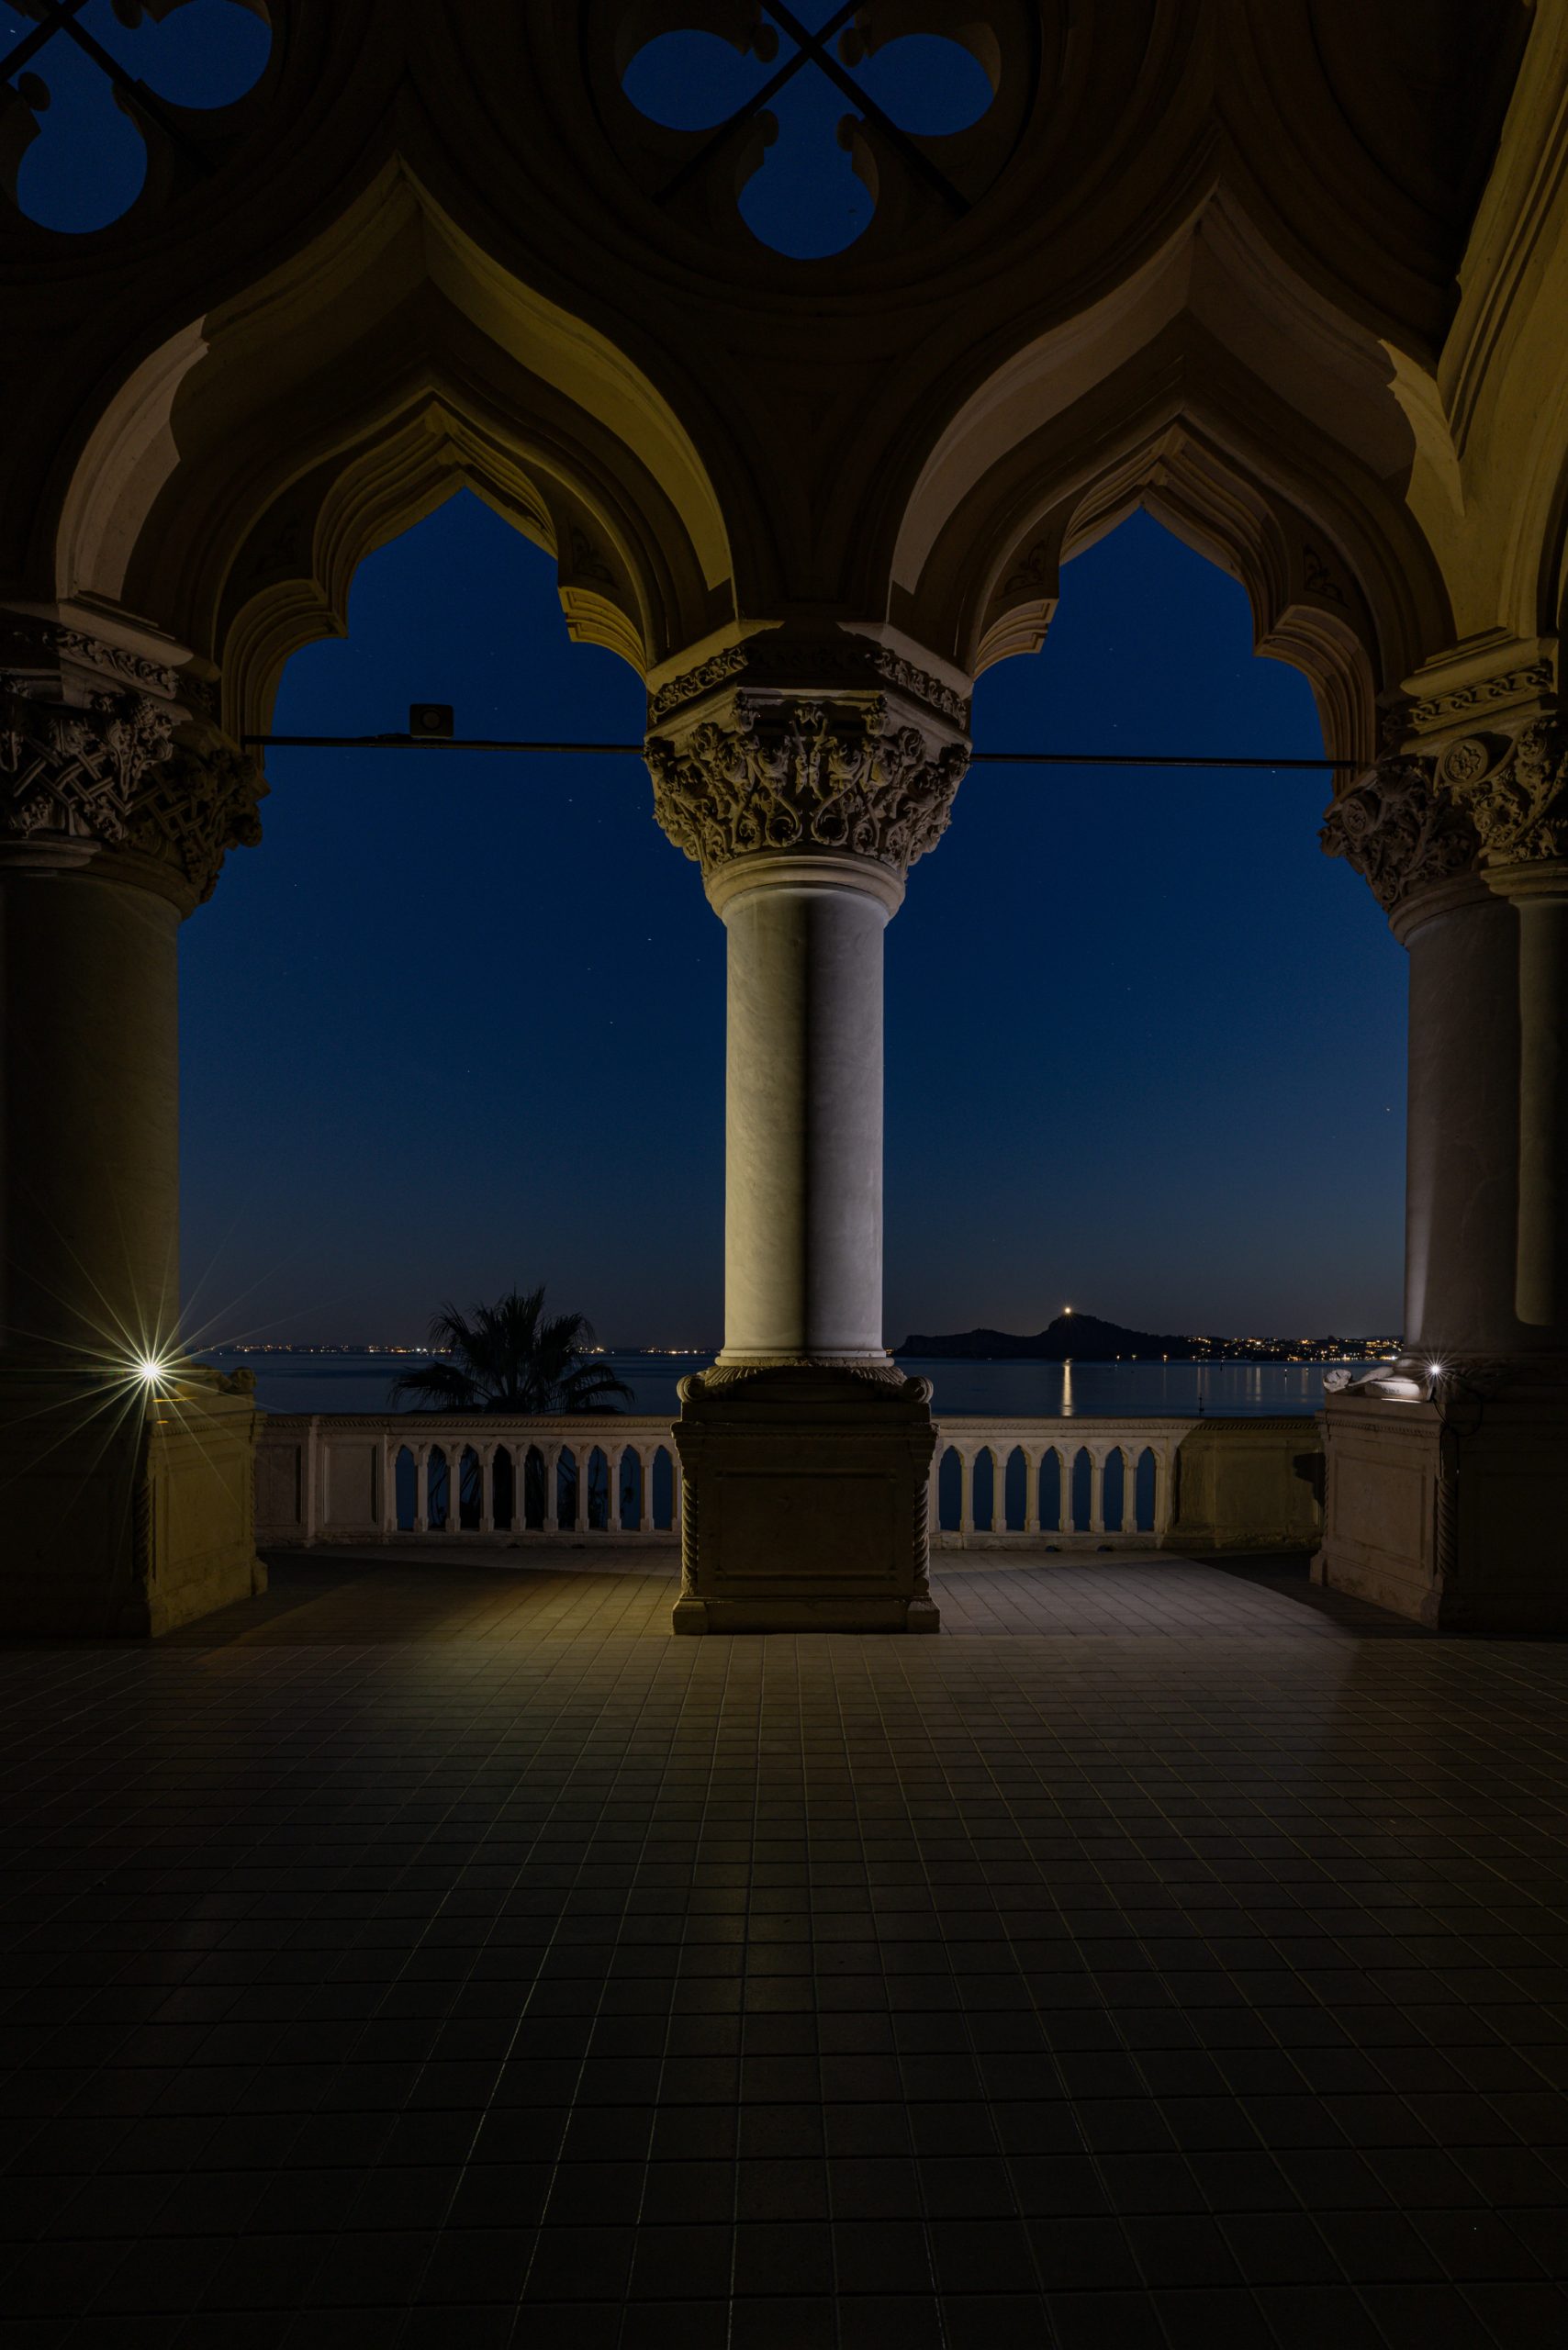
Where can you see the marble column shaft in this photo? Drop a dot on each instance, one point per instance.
(1460, 849)
(804, 812)
(116, 811)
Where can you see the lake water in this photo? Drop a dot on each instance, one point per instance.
(310, 1383)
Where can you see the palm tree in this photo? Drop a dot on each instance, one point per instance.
(513, 1356)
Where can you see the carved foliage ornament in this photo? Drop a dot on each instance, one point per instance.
(53, 645)
(786, 774)
(1514, 793)
(109, 772)
(1485, 693)
(845, 660)
(716, 670)
(1400, 831)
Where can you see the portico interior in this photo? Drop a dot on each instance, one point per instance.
(1293, 278)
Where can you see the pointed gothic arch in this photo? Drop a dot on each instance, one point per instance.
(234, 483)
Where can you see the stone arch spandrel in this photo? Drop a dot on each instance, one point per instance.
(1502, 390)
(1341, 581)
(238, 477)
(465, 156)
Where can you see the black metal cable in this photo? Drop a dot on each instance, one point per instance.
(634, 751)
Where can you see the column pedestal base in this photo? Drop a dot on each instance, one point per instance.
(124, 1517)
(1249, 1485)
(1453, 1511)
(805, 1501)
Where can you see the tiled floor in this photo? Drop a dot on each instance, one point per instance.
(442, 1955)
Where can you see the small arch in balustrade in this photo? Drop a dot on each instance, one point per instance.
(599, 1489)
(535, 1490)
(566, 1488)
(1014, 1493)
(405, 1489)
(1144, 1484)
(1078, 1490)
(949, 1490)
(503, 1488)
(663, 1481)
(983, 1489)
(1048, 1489)
(625, 1489)
(1112, 1492)
(438, 1489)
(468, 1499)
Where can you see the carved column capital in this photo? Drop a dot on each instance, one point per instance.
(857, 774)
(1474, 785)
(100, 765)
(1402, 830)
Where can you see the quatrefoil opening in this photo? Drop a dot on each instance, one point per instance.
(105, 102)
(806, 114)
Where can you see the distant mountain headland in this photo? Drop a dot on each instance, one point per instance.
(1084, 1338)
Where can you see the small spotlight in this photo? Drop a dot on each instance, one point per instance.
(149, 1370)
(1435, 1369)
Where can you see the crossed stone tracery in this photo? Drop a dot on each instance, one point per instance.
(819, 50)
(21, 81)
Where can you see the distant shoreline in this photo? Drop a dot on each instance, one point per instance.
(1076, 1337)
(1250, 1357)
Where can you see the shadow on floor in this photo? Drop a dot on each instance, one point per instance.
(1290, 1575)
(379, 1596)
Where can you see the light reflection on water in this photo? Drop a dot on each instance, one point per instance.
(305, 1383)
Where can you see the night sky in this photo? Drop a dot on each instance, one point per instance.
(1145, 1042)
(459, 1023)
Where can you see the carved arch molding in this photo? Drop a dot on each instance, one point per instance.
(434, 245)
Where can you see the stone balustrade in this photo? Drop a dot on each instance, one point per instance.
(1145, 1484)
(1058, 1482)
(357, 1477)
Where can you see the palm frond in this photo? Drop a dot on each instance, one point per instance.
(512, 1357)
(590, 1389)
(436, 1387)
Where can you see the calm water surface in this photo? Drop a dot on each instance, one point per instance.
(307, 1382)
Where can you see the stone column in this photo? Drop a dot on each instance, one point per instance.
(803, 1106)
(1515, 791)
(1448, 1475)
(805, 776)
(128, 1491)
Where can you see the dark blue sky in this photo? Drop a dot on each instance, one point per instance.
(460, 1022)
(1145, 1042)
